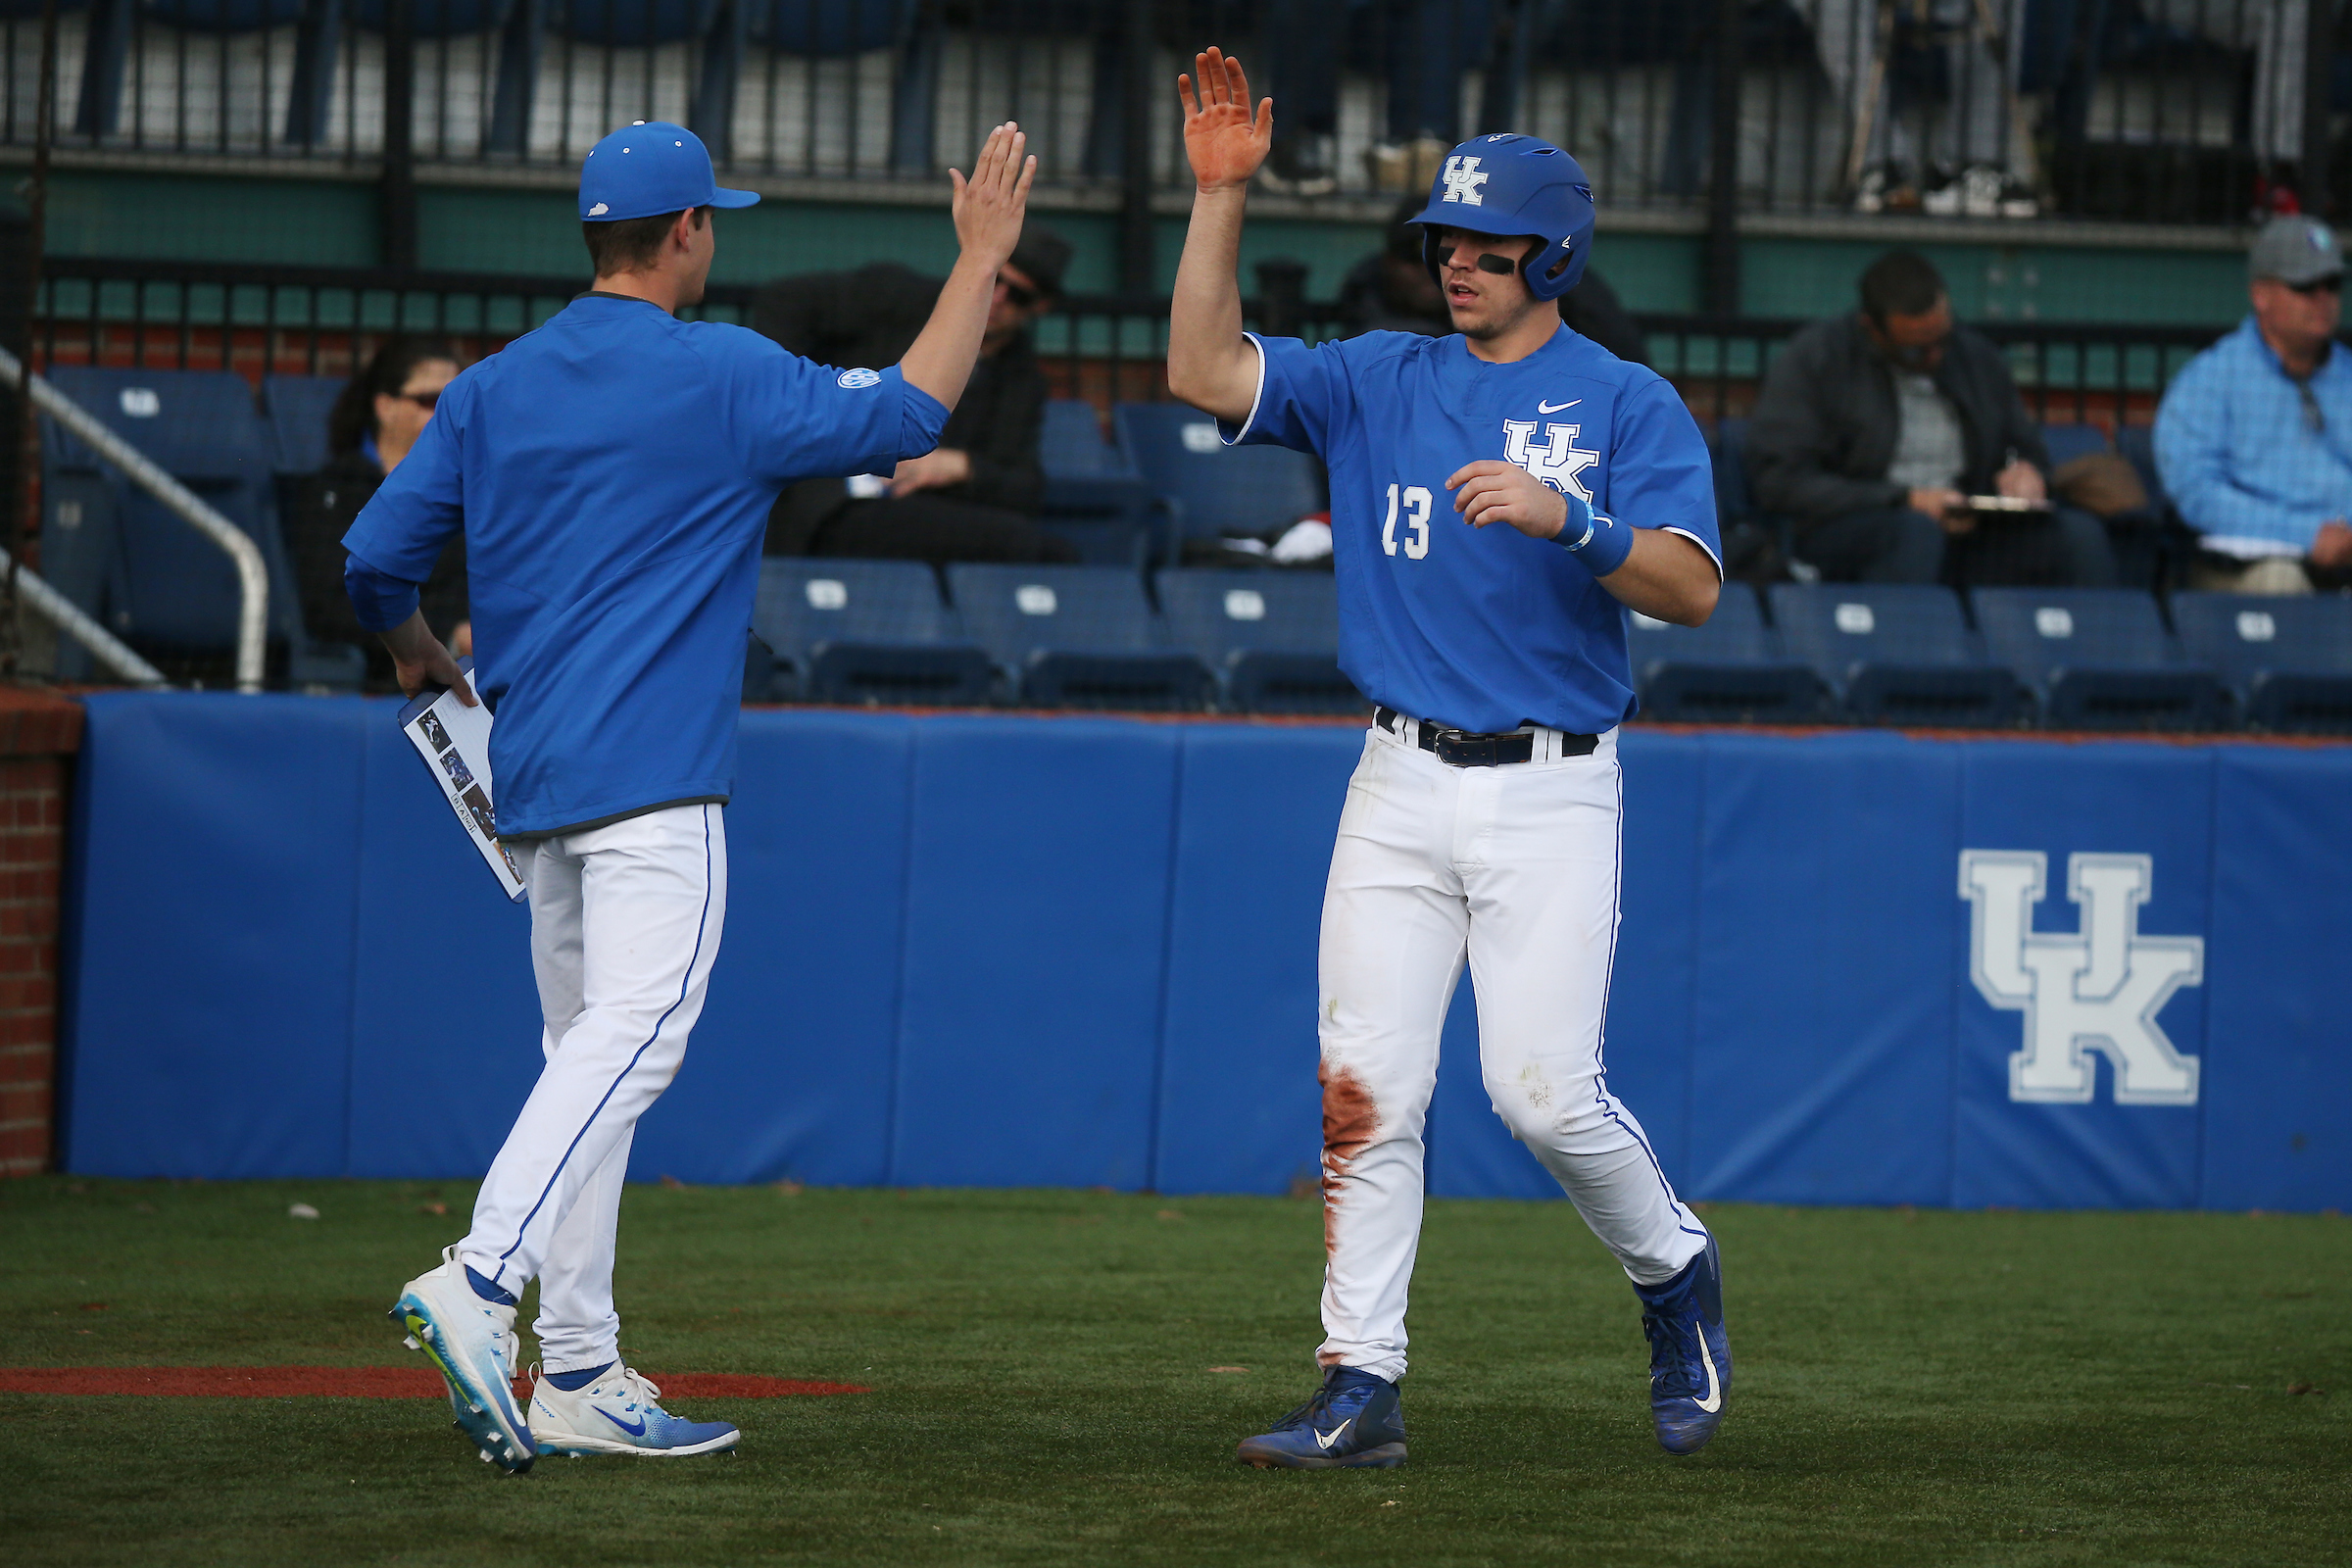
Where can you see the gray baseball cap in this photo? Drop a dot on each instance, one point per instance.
(2296, 251)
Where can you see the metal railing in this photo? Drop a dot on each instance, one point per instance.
(1104, 348)
(2187, 111)
(253, 574)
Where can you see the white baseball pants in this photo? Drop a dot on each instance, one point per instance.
(625, 928)
(1517, 867)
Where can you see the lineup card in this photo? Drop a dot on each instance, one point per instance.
(455, 742)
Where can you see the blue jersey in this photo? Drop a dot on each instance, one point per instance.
(613, 472)
(1481, 628)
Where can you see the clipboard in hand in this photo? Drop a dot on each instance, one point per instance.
(455, 742)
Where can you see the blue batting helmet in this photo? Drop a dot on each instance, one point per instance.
(1508, 184)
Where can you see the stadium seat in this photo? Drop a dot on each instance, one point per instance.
(2290, 659)
(1212, 488)
(1093, 496)
(1729, 669)
(1077, 637)
(161, 585)
(1894, 655)
(1273, 635)
(865, 631)
(2067, 442)
(297, 407)
(2099, 657)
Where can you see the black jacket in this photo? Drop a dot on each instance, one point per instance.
(1827, 419)
(318, 509)
(871, 316)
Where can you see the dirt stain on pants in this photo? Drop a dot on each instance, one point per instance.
(1350, 1124)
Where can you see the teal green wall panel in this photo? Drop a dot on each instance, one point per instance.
(204, 218)
(533, 231)
(1809, 277)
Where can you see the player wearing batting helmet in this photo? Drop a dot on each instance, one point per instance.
(613, 473)
(1482, 823)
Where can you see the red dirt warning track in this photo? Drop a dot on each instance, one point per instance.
(351, 1383)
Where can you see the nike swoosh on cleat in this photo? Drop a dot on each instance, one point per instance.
(1714, 1400)
(1325, 1443)
(1555, 408)
(638, 1431)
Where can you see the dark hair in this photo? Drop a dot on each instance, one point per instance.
(352, 417)
(1900, 284)
(1404, 235)
(632, 244)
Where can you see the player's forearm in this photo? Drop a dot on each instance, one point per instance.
(1666, 577)
(1210, 365)
(942, 357)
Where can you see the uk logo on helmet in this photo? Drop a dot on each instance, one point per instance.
(1462, 178)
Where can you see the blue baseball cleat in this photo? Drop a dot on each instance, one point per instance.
(1689, 1355)
(618, 1413)
(471, 1342)
(1356, 1420)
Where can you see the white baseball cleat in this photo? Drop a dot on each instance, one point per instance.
(617, 1413)
(472, 1341)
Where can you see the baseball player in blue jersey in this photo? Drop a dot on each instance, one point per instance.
(613, 473)
(1499, 497)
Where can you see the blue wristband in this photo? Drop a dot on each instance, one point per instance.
(1601, 542)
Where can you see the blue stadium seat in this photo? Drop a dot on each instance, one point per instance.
(1093, 496)
(1728, 671)
(297, 407)
(1077, 637)
(2067, 442)
(2290, 659)
(163, 585)
(1895, 655)
(1273, 635)
(2137, 444)
(830, 28)
(635, 23)
(1216, 489)
(2099, 657)
(865, 631)
(1735, 503)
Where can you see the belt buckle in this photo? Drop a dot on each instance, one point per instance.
(1457, 749)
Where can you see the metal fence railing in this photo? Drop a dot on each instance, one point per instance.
(2190, 111)
(1102, 348)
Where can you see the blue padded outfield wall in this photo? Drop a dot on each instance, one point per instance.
(1010, 950)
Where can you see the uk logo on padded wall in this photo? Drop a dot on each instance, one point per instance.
(2097, 988)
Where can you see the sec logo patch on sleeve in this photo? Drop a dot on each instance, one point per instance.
(861, 378)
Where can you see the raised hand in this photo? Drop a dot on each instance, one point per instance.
(1224, 143)
(990, 206)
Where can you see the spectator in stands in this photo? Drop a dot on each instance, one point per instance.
(975, 497)
(376, 420)
(1871, 428)
(1392, 291)
(2254, 438)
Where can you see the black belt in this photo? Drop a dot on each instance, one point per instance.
(1467, 749)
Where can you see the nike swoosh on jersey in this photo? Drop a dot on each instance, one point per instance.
(1325, 1443)
(1555, 408)
(638, 1431)
(1714, 1400)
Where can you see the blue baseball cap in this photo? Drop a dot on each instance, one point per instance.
(650, 167)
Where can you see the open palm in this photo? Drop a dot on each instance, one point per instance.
(1224, 143)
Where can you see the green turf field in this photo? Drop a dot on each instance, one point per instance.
(1912, 1388)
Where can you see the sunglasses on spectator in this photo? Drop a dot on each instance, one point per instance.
(1020, 294)
(423, 400)
(2319, 285)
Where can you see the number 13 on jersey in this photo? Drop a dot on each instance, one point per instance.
(1417, 503)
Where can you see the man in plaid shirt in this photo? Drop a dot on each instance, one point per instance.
(2254, 438)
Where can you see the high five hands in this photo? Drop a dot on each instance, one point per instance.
(1493, 491)
(1224, 143)
(989, 207)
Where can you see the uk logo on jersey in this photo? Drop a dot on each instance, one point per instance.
(2097, 988)
(1462, 178)
(1559, 463)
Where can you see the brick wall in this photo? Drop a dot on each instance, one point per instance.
(39, 736)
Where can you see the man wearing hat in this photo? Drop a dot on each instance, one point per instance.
(975, 497)
(2254, 438)
(612, 473)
